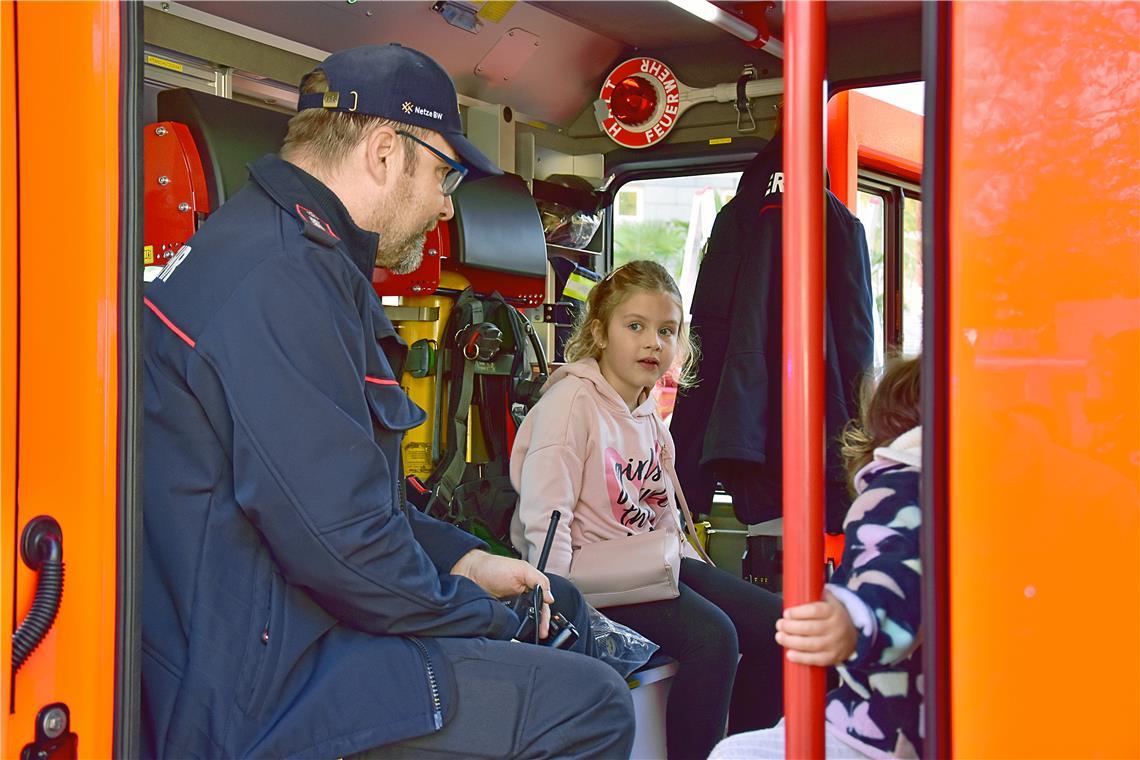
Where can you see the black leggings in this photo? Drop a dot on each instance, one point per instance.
(716, 616)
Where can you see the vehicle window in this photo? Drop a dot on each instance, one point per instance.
(628, 204)
(892, 126)
(912, 277)
(669, 220)
(871, 212)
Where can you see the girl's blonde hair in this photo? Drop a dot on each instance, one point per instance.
(615, 288)
(887, 410)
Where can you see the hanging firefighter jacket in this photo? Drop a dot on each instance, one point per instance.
(728, 428)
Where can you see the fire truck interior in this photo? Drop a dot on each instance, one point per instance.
(221, 83)
(547, 90)
(955, 132)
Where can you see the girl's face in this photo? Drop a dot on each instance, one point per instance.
(639, 343)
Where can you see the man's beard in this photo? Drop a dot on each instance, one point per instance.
(405, 255)
(408, 254)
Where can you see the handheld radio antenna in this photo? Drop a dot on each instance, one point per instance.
(536, 604)
(554, 517)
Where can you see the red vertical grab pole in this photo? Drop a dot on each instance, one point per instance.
(803, 218)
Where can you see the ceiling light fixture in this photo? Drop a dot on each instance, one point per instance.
(734, 25)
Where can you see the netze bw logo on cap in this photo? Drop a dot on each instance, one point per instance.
(409, 108)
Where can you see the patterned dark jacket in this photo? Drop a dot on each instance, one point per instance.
(877, 706)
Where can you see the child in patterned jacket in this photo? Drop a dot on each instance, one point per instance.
(868, 623)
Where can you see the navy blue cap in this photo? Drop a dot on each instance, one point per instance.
(398, 83)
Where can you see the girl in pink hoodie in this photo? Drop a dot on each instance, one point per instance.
(595, 450)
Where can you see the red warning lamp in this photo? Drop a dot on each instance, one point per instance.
(634, 101)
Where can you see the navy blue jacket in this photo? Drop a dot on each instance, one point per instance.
(728, 428)
(290, 597)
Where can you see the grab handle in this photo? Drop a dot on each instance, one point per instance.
(41, 547)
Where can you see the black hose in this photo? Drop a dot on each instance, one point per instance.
(45, 606)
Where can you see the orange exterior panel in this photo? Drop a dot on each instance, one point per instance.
(8, 240)
(863, 131)
(1044, 457)
(841, 167)
(889, 138)
(68, 111)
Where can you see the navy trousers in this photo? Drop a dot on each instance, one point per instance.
(525, 701)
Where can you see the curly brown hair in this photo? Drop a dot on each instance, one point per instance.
(888, 409)
(607, 295)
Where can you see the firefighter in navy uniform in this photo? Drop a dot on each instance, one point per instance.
(293, 603)
(728, 428)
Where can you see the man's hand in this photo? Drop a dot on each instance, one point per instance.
(819, 633)
(504, 577)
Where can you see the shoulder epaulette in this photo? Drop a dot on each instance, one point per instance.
(315, 228)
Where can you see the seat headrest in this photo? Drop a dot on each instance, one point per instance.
(498, 227)
(228, 134)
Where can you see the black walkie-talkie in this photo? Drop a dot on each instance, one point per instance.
(536, 602)
(528, 606)
(533, 614)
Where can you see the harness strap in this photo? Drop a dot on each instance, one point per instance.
(695, 542)
(457, 445)
(689, 526)
(462, 376)
(448, 474)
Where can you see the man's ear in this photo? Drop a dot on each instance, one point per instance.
(381, 150)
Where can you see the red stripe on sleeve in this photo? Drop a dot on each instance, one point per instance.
(168, 323)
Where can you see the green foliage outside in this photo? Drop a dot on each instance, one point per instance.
(873, 226)
(661, 241)
(872, 214)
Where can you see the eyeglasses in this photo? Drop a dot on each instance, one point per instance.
(454, 176)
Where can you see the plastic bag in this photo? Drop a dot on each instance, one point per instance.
(566, 226)
(624, 649)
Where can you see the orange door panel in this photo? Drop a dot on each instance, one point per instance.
(1044, 414)
(8, 314)
(61, 124)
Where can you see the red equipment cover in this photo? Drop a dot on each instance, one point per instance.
(174, 190)
(519, 289)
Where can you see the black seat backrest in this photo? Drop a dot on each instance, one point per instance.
(498, 227)
(228, 134)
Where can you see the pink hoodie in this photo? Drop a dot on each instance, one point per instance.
(608, 470)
